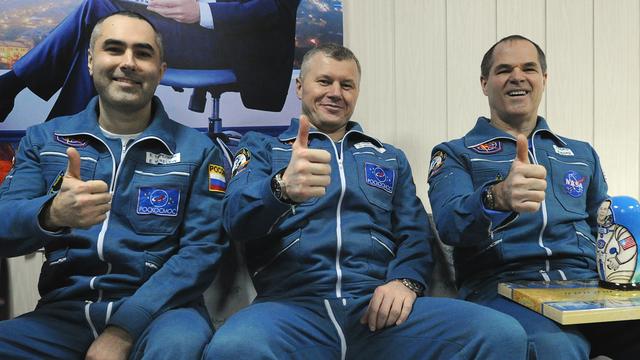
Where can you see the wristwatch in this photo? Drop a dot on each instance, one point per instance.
(278, 188)
(413, 285)
(488, 198)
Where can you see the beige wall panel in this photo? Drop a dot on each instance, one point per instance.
(617, 92)
(526, 18)
(23, 283)
(421, 112)
(471, 30)
(570, 67)
(369, 32)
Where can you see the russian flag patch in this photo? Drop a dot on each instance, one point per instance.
(217, 181)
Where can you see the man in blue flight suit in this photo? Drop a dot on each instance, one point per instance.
(255, 38)
(338, 242)
(126, 204)
(519, 202)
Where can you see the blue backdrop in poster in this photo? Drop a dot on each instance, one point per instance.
(26, 23)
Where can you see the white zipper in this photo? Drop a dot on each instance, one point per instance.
(87, 315)
(276, 256)
(180, 173)
(543, 205)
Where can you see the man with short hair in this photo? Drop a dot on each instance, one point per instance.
(125, 202)
(254, 38)
(338, 242)
(519, 202)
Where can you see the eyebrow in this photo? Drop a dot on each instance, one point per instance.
(115, 42)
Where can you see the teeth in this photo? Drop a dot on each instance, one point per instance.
(517, 93)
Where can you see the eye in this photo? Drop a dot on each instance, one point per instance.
(347, 86)
(324, 82)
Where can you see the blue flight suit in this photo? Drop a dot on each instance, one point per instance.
(255, 38)
(315, 265)
(555, 243)
(145, 267)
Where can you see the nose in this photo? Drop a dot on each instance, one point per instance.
(516, 75)
(128, 61)
(334, 91)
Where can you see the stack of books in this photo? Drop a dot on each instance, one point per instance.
(574, 301)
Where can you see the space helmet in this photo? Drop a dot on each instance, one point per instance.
(616, 243)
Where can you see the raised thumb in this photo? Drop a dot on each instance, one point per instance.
(73, 166)
(522, 149)
(303, 133)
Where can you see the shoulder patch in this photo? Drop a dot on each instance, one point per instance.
(241, 160)
(490, 147)
(217, 181)
(437, 161)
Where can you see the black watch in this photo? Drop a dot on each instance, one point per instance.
(413, 285)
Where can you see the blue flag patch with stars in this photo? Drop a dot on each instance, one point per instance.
(379, 176)
(155, 201)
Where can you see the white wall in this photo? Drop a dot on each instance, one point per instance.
(421, 71)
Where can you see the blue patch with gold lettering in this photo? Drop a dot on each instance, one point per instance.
(155, 201)
(379, 176)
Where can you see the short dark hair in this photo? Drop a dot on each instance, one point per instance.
(332, 50)
(96, 29)
(487, 59)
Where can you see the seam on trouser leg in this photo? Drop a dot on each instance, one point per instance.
(343, 342)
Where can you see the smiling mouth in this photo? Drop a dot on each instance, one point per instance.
(127, 81)
(332, 107)
(516, 93)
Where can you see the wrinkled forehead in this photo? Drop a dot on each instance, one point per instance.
(515, 52)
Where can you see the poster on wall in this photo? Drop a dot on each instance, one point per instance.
(246, 51)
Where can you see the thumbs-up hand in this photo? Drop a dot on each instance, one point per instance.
(309, 171)
(78, 204)
(523, 189)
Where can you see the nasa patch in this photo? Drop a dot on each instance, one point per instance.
(437, 160)
(379, 176)
(217, 182)
(243, 156)
(156, 201)
(71, 141)
(574, 184)
(490, 147)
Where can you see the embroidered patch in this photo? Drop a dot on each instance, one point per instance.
(155, 201)
(563, 151)
(627, 243)
(71, 141)
(379, 176)
(217, 182)
(163, 159)
(600, 244)
(437, 161)
(573, 184)
(243, 156)
(490, 147)
(56, 184)
(364, 144)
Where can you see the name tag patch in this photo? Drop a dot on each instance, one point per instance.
(162, 159)
(563, 151)
(573, 184)
(364, 144)
(71, 141)
(379, 176)
(156, 201)
(490, 147)
(217, 182)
